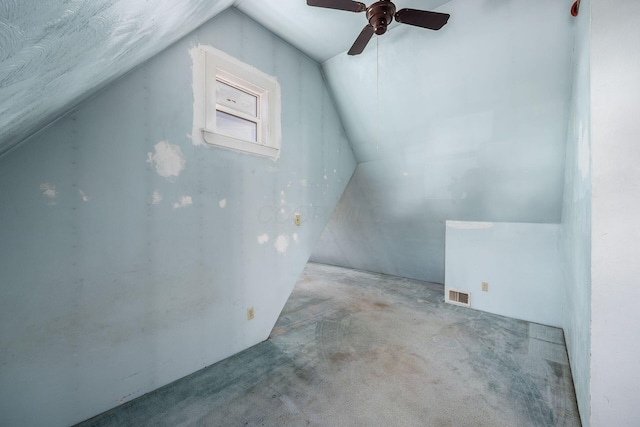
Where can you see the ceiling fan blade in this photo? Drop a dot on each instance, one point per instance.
(348, 5)
(422, 18)
(362, 40)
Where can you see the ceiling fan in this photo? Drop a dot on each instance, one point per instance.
(380, 15)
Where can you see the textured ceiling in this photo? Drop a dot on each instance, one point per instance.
(54, 53)
(465, 123)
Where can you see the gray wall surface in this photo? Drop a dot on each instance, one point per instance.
(130, 255)
(615, 138)
(467, 123)
(576, 220)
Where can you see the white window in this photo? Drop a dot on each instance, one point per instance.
(242, 110)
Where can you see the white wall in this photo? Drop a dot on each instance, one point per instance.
(576, 220)
(615, 120)
(520, 262)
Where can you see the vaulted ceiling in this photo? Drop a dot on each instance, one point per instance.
(55, 53)
(465, 123)
(320, 33)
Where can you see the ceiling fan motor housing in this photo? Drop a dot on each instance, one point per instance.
(380, 14)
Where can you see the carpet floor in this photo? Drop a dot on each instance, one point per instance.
(353, 348)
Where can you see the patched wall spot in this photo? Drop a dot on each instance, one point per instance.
(49, 191)
(263, 239)
(156, 197)
(281, 244)
(222, 203)
(85, 198)
(168, 159)
(184, 202)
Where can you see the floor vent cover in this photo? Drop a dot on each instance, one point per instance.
(459, 297)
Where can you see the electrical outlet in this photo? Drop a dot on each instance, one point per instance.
(297, 219)
(250, 313)
(485, 287)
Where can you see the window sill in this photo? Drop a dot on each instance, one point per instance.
(229, 142)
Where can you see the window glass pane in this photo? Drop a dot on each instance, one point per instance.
(237, 99)
(236, 127)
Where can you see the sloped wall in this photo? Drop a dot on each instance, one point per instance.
(467, 123)
(130, 255)
(576, 220)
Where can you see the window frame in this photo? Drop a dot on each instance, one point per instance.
(261, 95)
(222, 67)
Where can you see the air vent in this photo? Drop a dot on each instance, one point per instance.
(458, 297)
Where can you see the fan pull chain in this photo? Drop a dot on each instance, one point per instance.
(377, 93)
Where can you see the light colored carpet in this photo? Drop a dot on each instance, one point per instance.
(361, 349)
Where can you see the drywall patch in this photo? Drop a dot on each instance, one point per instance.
(49, 191)
(468, 225)
(281, 244)
(304, 182)
(85, 198)
(156, 198)
(222, 203)
(295, 237)
(183, 203)
(168, 159)
(262, 239)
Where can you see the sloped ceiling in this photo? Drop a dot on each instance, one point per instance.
(320, 33)
(54, 53)
(465, 123)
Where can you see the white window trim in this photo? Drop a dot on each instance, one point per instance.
(221, 66)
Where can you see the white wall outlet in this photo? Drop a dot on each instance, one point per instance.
(297, 219)
(485, 287)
